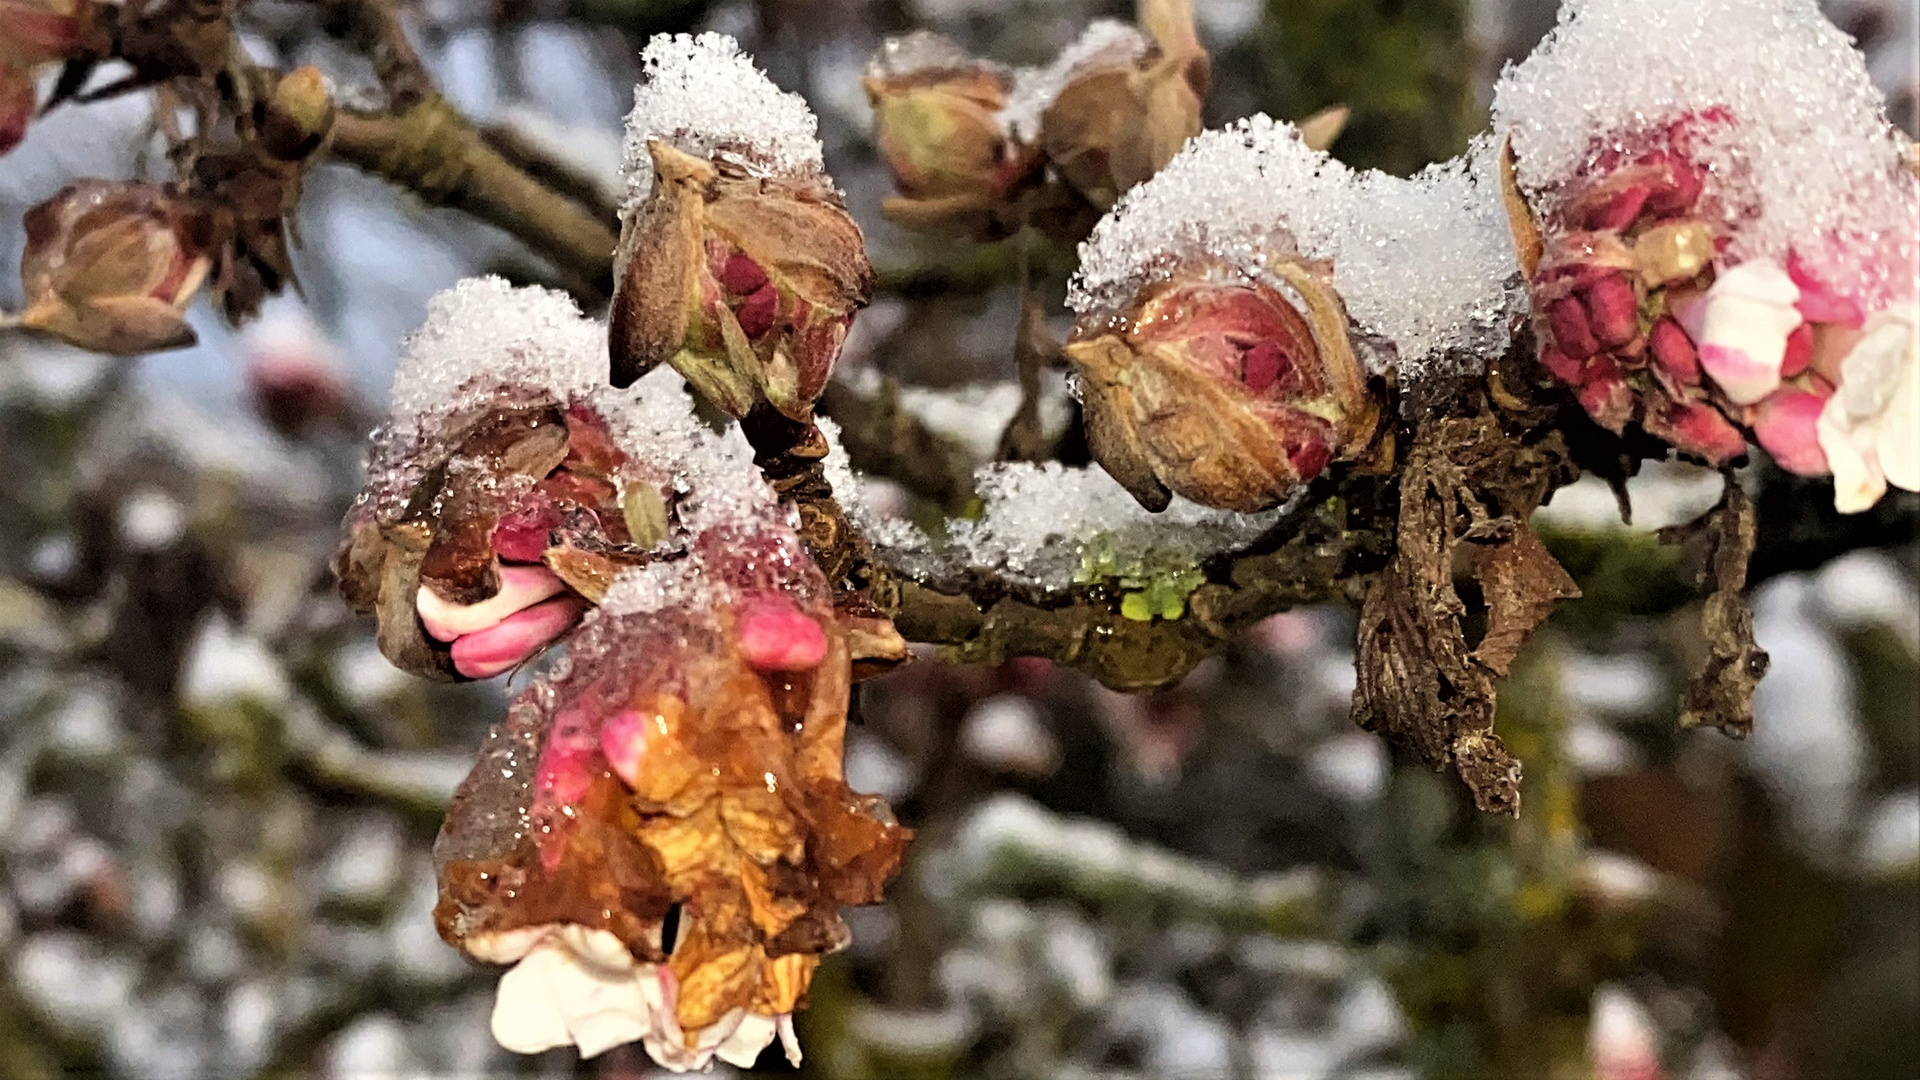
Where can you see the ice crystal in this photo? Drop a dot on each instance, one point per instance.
(1423, 263)
(706, 97)
(1784, 115)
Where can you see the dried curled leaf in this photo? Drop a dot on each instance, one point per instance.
(1420, 682)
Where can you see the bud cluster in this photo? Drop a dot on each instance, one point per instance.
(979, 150)
(1641, 311)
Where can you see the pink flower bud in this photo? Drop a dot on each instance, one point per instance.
(1572, 334)
(520, 587)
(1785, 424)
(1698, 429)
(1673, 350)
(1563, 367)
(1605, 395)
(775, 635)
(523, 535)
(499, 648)
(1613, 311)
(1620, 210)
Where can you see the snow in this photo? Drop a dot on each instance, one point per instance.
(1051, 526)
(1425, 264)
(1104, 42)
(706, 97)
(1805, 159)
(483, 334)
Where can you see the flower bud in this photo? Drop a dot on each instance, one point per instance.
(295, 119)
(1124, 113)
(1226, 394)
(745, 284)
(938, 128)
(111, 266)
(32, 33)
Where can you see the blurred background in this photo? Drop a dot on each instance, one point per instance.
(217, 799)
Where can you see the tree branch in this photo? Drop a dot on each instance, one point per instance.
(431, 150)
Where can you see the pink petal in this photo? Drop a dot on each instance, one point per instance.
(1260, 365)
(758, 311)
(1619, 211)
(623, 740)
(1799, 351)
(520, 586)
(741, 275)
(1745, 379)
(775, 635)
(1785, 425)
(499, 648)
(1818, 302)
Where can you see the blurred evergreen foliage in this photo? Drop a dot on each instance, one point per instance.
(1404, 66)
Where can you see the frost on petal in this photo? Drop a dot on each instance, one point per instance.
(1798, 158)
(1857, 480)
(1422, 263)
(706, 97)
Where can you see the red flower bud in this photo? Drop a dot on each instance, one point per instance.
(1673, 350)
(1613, 311)
(1225, 394)
(746, 285)
(1696, 428)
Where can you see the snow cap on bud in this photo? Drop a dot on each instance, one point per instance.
(1125, 110)
(745, 284)
(110, 266)
(1226, 394)
(938, 126)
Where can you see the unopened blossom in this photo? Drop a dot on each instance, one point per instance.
(111, 266)
(1224, 393)
(1870, 428)
(525, 514)
(939, 128)
(1123, 112)
(746, 284)
(1622, 1043)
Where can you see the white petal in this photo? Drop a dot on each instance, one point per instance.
(1857, 483)
(506, 946)
(520, 587)
(1899, 443)
(1744, 325)
(598, 948)
(789, 1041)
(526, 1017)
(1872, 370)
(742, 1048)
